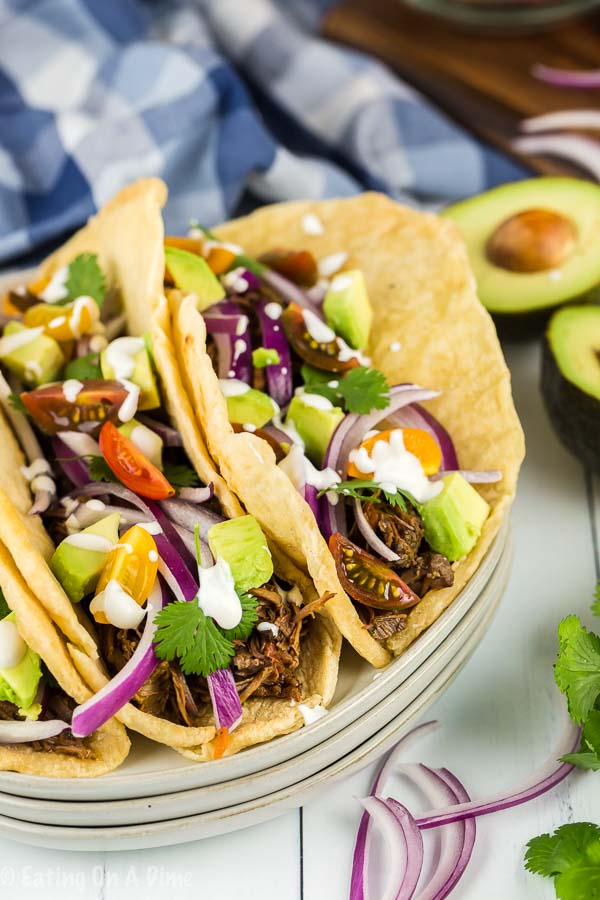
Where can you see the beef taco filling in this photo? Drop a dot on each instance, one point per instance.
(287, 336)
(191, 618)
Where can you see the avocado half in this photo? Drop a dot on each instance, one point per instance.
(571, 380)
(533, 245)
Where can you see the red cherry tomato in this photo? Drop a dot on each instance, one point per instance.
(299, 266)
(131, 467)
(320, 355)
(367, 579)
(97, 402)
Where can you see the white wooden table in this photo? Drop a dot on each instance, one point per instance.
(500, 719)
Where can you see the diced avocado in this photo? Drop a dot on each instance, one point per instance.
(193, 275)
(315, 418)
(242, 544)
(37, 361)
(348, 309)
(262, 357)
(146, 440)
(571, 380)
(19, 684)
(251, 408)
(77, 568)
(453, 520)
(143, 376)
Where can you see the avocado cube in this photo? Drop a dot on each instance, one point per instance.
(78, 568)
(453, 520)
(143, 376)
(19, 684)
(243, 545)
(146, 440)
(250, 408)
(37, 361)
(192, 274)
(348, 309)
(314, 423)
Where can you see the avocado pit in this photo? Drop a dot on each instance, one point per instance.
(534, 240)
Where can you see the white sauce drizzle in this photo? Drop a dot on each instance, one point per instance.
(238, 348)
(331, 264)
(236, 280)
(273, 310)
(393, 467)
(151, 527)
(311, 224)
(80, 444)
(317, 401)
(120, 356)
(89, 541)
(56, 289)
(118, 606)
(71, 389)
(96, 505)
(233, 387)
(217, 596)
(341, 282)
(153, 556)
(43, 483)
(148, 442)
(268, 626)
(346, 353)
(249, 427)
(311, 714)
(98, 343)
(12, 646)
(128, 407)
(11, 342)
(80, 304)
(39, 466)
(318, 330)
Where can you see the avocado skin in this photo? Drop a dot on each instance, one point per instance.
(574, 415)
(529, 324)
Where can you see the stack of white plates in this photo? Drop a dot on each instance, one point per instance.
(158, 798)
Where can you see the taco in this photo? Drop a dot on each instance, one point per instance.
(39, 691)
(379, 440)
(186, 619)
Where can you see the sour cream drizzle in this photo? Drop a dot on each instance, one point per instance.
(120, 356)
(12, 646)
(11, 342)
(95, 542)
(394, 468)
(56, 289)
(118, 606)
(71, 389)
(233, 387)
(217, 596)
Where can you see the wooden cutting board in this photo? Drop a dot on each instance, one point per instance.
(482, 81)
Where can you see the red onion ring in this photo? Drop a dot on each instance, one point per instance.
(240, 346)
(169, 436)
(415, 416)
(396, 824)
(567, 77)
(24, 732)
(288, 291)
(374, 542)
(279, 376)
(582, 151)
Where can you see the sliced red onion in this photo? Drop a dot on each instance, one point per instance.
(224, 347)
(187, 516)
(24, 732)
(277, 434)
(415, 416)
(374, 542)
(310, 493)
(240, 346)
(543, 780)
(566, 118)
(582, 151)
(170, 542)
(485, 476)
(225, 699)
(396, 827)
(169, 436)
(197, 495)
(413, 848)
(220, 322)
(88, 717)
(279, 376)
(75, 469)
(470, 833)
(567, 77)
(288, 291)
(86, 516)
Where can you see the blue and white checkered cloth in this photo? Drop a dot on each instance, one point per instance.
(218, 97)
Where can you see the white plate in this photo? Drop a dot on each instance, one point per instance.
(152, 769)
(457, 646)
(242, 815)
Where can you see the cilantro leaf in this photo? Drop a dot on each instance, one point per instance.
(581, 882)
(552, 854)
(364, 390)
(596, 603)
(180, 475)
(100, 470)
(185, 633)
(588, 755)
(364, 489)
(85, 278)
(5, 609)
(16, 403)
(84, 367)
(249, 616)
(577, 669)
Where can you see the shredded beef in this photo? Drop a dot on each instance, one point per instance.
(401, 531)
(8, 711)
(430, 570)
(385, 625)
(57, 705)
(153, 696)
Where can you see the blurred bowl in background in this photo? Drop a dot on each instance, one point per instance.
(505, 16)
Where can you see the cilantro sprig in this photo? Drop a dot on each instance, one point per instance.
(180, 475)
(577, 669)
(364, 489)
(361, 390)
(571, 856)
(85, 278)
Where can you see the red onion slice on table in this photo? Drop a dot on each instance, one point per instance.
(567, 77)
(582, 151)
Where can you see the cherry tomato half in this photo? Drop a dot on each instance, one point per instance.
(134, 564)
(320, 355)
(367, 579)
(97, 402)
(298, 265)
(130, 465)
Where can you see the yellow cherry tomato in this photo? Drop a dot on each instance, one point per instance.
(63, 323)
(418, 442)
(133, 563)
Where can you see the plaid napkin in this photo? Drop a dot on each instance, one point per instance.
(219, 97)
